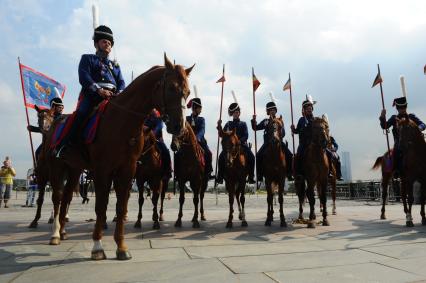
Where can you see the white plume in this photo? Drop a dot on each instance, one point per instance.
(404, 90)
(195, 91)
(271, 95)
(95, 15)
(309, 98)
(57, 92)
(234, 96)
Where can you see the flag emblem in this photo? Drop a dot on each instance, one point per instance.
(377, 80)
(287, 85)
(256, 82)
(221, 80)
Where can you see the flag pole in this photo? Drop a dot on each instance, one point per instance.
(255, 132)
(218, 137)
(26, 112)
(292, 123)
(383, 106)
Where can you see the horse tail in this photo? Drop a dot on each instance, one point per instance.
(378, 163)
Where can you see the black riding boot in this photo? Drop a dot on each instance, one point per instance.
(339, 170)
(221, 168)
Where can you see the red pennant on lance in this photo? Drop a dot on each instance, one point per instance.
(377, 80)
(256, 83)
(221, 80)
(287, 85)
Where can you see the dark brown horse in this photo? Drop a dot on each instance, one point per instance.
(44, 121)
(149, 170)
(235, 174)
(413, 147)
(118, 145)
(190, 167)
(274, 167)
(385, 163)
(315, 167)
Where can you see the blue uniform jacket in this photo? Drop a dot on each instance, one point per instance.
(392, 123)
(302, 124)
(156, 125)
(93, 70)
(242, 131)
(199, 126)
(262, 126)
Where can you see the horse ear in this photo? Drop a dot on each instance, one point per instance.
(167, 62)
(188, 71)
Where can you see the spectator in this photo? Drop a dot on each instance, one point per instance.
(31, 190)
(7, 173)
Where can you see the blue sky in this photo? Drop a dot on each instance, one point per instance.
(330, 47)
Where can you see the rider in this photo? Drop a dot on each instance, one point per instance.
(153, 122)
(242, 133)
(198, 126)
(303, 123)
(333, 155)
(401, 106)
(56, 106)
(100, 79)
(271, 111)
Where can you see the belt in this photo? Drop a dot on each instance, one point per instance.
(108, 86)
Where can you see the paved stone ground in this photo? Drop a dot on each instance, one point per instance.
(357, 247)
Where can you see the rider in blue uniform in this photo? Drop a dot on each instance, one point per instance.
(100, 79)
(333, 155)
(401, 106)
(198, 125)
(271, 111)
(154, 123)
(242, 133)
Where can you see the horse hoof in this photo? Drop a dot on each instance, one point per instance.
(98, 255)
(283, 223)
(105, 226)
(229, 225)
(161, 218)
(240, 217)
(123, 255)
(268, 223)
(54, 241)
(410, 223)
(314, 217)
(67, 219)
(195, 224)
(325, 222)
(382, 216)
(178, 223)
(333, 211)
(244, 223)
(311, 224)
(156, 225)
(33, 224)
(138, 224)
(64, 236)
(203, 218)
(114, 219)
(300, 217)
(424, 221)
(50, 221)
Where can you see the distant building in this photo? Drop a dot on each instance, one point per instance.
(346, 166)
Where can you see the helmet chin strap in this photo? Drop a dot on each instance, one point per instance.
(101, 53)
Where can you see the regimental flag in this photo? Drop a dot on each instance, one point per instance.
(38, 88)
(256, 82)
(377, 80)
(221, 80)
(287, 85)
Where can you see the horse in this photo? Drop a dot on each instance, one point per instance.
(235, 174)
(190, 166)
(274, 167)
(149, 170)
(385, 163)
(45, 119)
(113, 154)
(413, 147)
(315, 167)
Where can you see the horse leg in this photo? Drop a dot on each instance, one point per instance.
(231, 192)
(40, 199)
(57, 191)
(281, 201)
(300, 189)
(385, 183)
(242, 201)
(195, 185)
(141, 200)
(311, 197)
(323, 200)
(102, 189)
(181, 202)
(156, 191)
(333, 194)
(422, 205)
(164, 184)
(237, 197)
(203, 190)
(409, 190)
(269, 200)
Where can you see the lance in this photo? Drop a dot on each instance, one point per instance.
(288, 86)
(221, 80)
(383, 105)
(255, 132)
(26, 112)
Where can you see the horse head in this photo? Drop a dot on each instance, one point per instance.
(174, 90)
(410, 135)
(231, 146)
(44, 119)
(274, 131)
(320, 132)
(185, 137)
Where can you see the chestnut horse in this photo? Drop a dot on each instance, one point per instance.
(235, 174)
(189, 166)
(149, 170)
(385, 163)
(44, 121)
(315, 167)
(112, 156)
(413, 147)
(274, 166)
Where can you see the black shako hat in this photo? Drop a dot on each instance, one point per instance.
(271, 105)
(57, 101)
(233, 107)
(400, 102)
(194, 103)
(103, 32)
